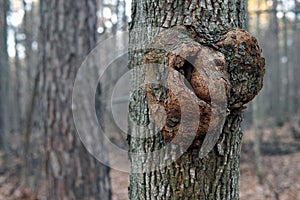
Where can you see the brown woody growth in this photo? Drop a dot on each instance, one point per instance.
(199, 75)
(245, 65)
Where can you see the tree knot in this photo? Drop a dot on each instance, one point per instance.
(199, 78)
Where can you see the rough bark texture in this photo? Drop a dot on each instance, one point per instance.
(239, 65)
(181, 53)
(67, 36)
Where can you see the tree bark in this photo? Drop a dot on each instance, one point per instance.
(68, 33)
(30, 28)
(4, 78)
(216, 175)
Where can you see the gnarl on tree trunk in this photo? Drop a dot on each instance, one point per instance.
(192, 59)
(235, 80)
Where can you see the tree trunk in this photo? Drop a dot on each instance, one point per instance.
(68, 31)
(30, 27)
(4, 78)
(19, 84)
(258, 118)
(193, 175)
(274, 58)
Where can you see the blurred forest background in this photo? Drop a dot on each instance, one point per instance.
(270, 161)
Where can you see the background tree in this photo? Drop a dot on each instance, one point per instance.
(68, 33)
(189, 177)
(5, 114)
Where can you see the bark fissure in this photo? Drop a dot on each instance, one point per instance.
(68, 33)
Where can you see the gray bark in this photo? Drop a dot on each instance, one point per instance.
(216, 175)
(4, 78)
(68, 31)
(30, 28)
(258, 116)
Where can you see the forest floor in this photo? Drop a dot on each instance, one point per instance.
(280, 170)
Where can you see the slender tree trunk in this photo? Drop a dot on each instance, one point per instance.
(19, 86)
(27, 131)
(2, 67)
(67, 35)
(30, 26)
(4, 78)
(190, 177)
(274, 58)
(296, 60)
(258, 117)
